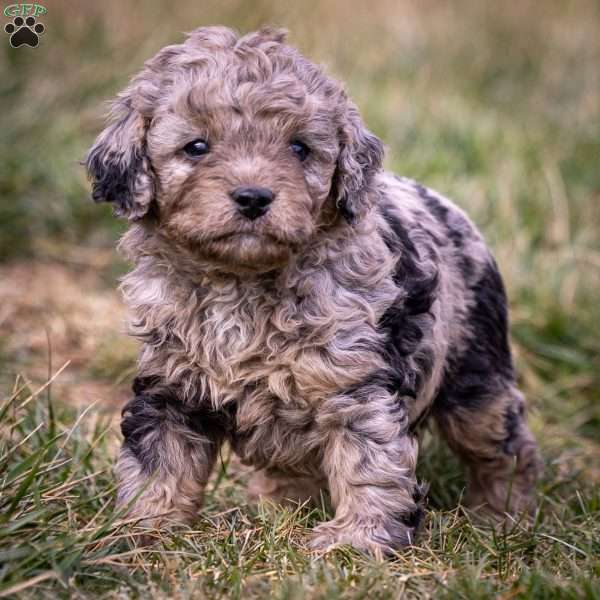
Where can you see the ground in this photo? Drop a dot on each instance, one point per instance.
(496, 106)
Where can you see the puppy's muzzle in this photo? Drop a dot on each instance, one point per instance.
(252, 202)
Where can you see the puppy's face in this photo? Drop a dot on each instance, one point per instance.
(244, 167)
(239, 148)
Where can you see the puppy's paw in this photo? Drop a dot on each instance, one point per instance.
(379, 538)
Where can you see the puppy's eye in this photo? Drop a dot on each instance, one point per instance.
(300, 149)
(196, 148)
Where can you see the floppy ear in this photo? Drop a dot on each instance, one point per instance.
(360, 157)
(117, 163)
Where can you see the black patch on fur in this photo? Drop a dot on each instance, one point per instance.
(408, 274)
(456, 230)
(439, 211)
(467, 267)
(383, 378)
(142, 416)
(142, 384)
(151, 413)
(390, 240)
(414, 518)
(456, 237)
(411, 520)
(482, 370)
(404, 321)
(512, 421)
(113, 179)
(344, 207)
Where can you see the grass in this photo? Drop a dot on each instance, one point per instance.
(496, 106)
(61, 537)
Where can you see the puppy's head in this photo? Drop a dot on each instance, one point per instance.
(238, 148)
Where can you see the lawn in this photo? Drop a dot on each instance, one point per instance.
(495, 105)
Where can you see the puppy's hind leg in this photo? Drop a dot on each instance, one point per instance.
(285, 489)
(491, 435)
(481, 412)
(166, 458)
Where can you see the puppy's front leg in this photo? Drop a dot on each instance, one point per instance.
(166, 458)
(369, 461)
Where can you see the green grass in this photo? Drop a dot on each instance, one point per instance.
(495, 105)
(60, 535)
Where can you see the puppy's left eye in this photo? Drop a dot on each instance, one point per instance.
(300, 149)
(196, 148)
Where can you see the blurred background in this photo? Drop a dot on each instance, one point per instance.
(496, 105)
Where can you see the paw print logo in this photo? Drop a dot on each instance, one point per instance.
(24, 32)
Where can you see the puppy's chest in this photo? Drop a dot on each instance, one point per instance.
(288, 351)
(277, 363)
(272, 360)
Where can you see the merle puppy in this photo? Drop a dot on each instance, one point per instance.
(296, 301)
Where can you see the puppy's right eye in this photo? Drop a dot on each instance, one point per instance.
(196, 148)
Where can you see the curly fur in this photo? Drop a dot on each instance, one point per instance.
(317, 338)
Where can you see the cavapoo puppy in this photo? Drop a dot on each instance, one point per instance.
(297, 301)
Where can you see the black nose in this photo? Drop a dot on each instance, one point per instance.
(253, 202)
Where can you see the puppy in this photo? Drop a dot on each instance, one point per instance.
(296, 301)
